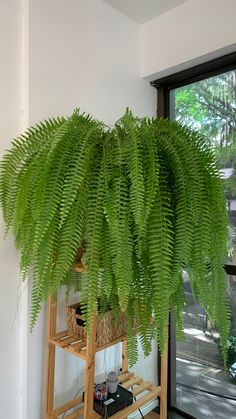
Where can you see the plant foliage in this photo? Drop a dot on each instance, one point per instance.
(146, 198)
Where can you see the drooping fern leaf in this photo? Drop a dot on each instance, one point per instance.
(94, 224)
(24, 149)
(117, 210)
(89, 133)
(135, 168)
(160, 248)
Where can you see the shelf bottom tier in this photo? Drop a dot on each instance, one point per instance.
(143, 392)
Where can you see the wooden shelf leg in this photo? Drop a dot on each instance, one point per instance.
(50, 367)
(164, 377)
(89, 373)
(124, 356)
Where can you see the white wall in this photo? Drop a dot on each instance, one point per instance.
(192, 33)
(12, 117)
(82, 54)
(86, 54)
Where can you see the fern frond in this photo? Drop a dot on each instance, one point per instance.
(135, 168)
(69, 239)
(88, 137)
(23, 150)
(117, 209)
(150, 166)
(160, 249)
(94, 223)
(145, 197)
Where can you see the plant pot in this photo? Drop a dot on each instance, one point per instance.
(112, 382)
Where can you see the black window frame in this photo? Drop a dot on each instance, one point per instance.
(164, 87)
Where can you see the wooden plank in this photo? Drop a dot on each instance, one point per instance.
(50, 371)
(67, 406)
(122, 414)
(66, 342)
(89, 373)
(146, 385)
(59, 335)
(124, 356)
(76, 353)
(77, 346)
(164, 377)
(76, 414)
(125, 377)
(132, 382)
(69, 349)
(75, 342)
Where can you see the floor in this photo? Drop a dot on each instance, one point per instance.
(152, 415)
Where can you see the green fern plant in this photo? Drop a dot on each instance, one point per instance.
(146, 198)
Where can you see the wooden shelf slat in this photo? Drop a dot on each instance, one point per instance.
(60, 335)
(71, 351)
(122, 414)
(69, 344)
(125, 377)
(133, 381)
(79, 412)
(145, 385)
(66, 342)
(77, 347)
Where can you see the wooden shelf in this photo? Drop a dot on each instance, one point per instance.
(69, 344)
(78, 347)
(143, 391)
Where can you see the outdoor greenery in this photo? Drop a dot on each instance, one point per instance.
(231, 350)
(210, 106)
(143, 198)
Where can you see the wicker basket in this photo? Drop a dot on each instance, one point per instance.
(107, 329)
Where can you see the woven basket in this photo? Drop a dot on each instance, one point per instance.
(107, 329)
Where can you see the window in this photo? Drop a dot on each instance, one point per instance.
(205, 99)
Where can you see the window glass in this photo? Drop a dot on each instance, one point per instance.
(202, 387)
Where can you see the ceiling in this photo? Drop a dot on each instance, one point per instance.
(143, 10)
